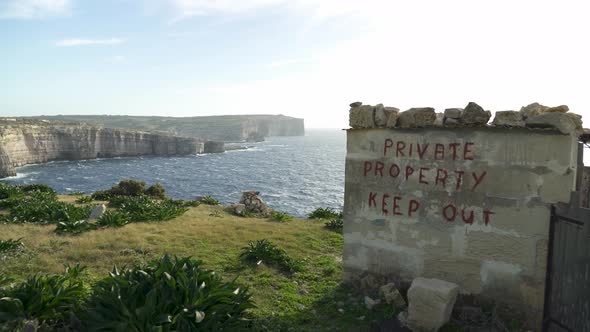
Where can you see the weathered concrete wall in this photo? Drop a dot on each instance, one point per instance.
(466, 205)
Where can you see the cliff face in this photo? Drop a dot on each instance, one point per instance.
(26, 143)
(216, 128)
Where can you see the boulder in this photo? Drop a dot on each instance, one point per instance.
(393, 115)
(473, 114)
(560, 121)
(559, 109)
(253, 202)
(238, 209)
(509, 119)
(362, 117)
(356, 104)
(391, 295)
(97, 211)
(532, 110)
(453, 113)
(417, 117)
(431, 302)
(385, 116)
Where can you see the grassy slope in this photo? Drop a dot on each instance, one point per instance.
(307, 300)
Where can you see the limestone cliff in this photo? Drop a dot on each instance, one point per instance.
(228, 128)
(25, 142)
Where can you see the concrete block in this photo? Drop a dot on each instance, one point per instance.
(508, 119)
(362, 117)
(431, 302)
(417, 117)
(559, 121)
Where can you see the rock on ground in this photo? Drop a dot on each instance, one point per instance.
(254, 203)
(431, 302)
(97, 211)
(391, 295)
(238, 209)
(417, 117)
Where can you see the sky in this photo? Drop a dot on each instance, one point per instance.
(302, 58)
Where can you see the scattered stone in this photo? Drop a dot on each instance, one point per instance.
(417, 117)
(431, 302)
(254, 203)
(560, 121)
(532, 110)
(356, 104)
(370, 303)
(509, 119)
(362, 117)
(559, 109)
(30, 326)
(391, 295)
(473, 114)
(97, 211)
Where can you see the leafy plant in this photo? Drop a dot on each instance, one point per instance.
(10, 245)
(44, 208)
(208, 200)
(280, 216)
(102, 195)
(170, 294)
(76, 193)
(156, 191)
(335, 224)
(323, 213)
(143, 208)
(37, 188)
(113, 219)
(267, 252)
(49, 299)
(84, 200)
(74, 227)
(8, 191)
(129, 188)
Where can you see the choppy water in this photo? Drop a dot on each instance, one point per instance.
(293, 174)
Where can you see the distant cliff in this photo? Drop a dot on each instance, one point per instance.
(25, 142)
(229, 128)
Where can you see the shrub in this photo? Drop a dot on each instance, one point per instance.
(129, 188)
(8, 191)
(74, 227)
(156, 191)
(267, 252)
(84, 200)
(102, 195)
(280, 216)
(49, 299)
(10, 245)
(335, 224)
(323, 213)
(38, 188)
(76, 193)
(113, 219)
(43, 208)
(143, 208)
(208, 200)
(171, 294)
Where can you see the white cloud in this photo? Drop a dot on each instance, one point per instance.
(85, 42)
(33, 9)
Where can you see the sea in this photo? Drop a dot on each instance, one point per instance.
(293, 174)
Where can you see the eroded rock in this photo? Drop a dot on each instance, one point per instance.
(473, 114)
(417, 117)
(356, 104)
(532, 110)
(561, 121)
(509, 119)
(362, 117)
(559, 109)
(431, 302)
(254, 203)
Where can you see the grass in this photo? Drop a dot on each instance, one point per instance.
(308, 300)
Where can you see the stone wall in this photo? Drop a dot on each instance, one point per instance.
(29, 143)
(447, 196)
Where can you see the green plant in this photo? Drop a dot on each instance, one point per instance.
(156, 191)
(268, 253)
(170, 294)
(335, 224)
(49, 299)
(44, 208)
(101, 195)
(84, 200)
(113, 219)
(38, 188)
(208, 200)
(129, 188)
(323, 213)
(143, 208)
(280, 216)
(10, 245)
(76, 193)
(74, 227)
(8, 191)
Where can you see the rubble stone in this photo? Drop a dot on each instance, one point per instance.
(560, 121)
(473, 114)
(559, 109)
(417, 117)
(532, 110)
(509, 118)
(356, 104)
(431, 302)
(362, 117)
(391, 295)
(453, 113)
(254, 203)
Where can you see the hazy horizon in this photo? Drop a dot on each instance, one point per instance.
(302, 58)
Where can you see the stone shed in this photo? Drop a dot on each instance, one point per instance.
(452, 197)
